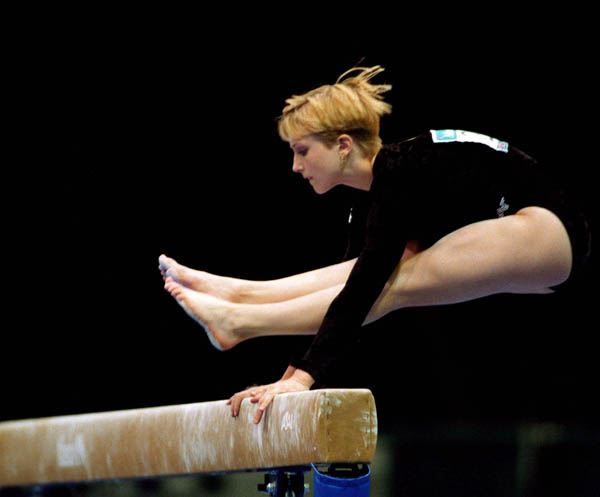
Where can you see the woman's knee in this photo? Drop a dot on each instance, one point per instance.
(548, 243)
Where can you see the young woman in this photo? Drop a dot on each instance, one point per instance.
(450, 216)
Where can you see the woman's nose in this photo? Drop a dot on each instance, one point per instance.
(296, 166)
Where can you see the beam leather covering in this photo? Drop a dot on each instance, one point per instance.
(319, 426)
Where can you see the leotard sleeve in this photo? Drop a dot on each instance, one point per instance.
(385, 240)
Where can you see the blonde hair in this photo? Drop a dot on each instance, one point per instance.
(351, 106)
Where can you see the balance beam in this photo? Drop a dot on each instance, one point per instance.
(320, 427)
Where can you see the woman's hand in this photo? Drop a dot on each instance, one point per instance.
(254, 391)
(294, 380)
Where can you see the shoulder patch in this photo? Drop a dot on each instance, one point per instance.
(458, 135)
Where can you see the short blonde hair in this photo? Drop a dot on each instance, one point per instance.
(351, 106)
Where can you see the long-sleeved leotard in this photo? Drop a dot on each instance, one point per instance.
(423, 189)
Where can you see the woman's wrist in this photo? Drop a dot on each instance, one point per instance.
(288, 372)
(303, 377)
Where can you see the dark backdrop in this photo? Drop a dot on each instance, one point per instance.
(145, 141)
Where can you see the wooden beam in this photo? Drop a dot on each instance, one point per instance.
(319, 426)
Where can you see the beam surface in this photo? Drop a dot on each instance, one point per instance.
(318, 426)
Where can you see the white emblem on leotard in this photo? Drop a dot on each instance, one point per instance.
(503, 208)
(458, 135)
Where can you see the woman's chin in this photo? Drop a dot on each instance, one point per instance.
(321, 189)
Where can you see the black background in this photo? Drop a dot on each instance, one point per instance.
(149, 136)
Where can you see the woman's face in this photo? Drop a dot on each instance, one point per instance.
(318, 163)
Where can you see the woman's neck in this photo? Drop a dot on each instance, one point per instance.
(358, 173)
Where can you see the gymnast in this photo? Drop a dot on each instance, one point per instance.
(446, 217)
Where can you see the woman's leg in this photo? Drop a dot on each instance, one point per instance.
(255, 292)
(260, 292)
(229, 323)
(524, 253)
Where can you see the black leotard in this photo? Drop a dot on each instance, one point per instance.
(423, 189)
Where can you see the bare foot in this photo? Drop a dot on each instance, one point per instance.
(218, 286)
(214, 315)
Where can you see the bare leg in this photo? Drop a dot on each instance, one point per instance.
(255, 292)
(524, 253)
(228, 324)
(260, 292)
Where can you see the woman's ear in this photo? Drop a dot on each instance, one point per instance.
(345, 145)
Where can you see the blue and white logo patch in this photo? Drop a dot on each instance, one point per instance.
(443, 135)
(458, 135)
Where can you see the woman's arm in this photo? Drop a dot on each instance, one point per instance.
(385, 242)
